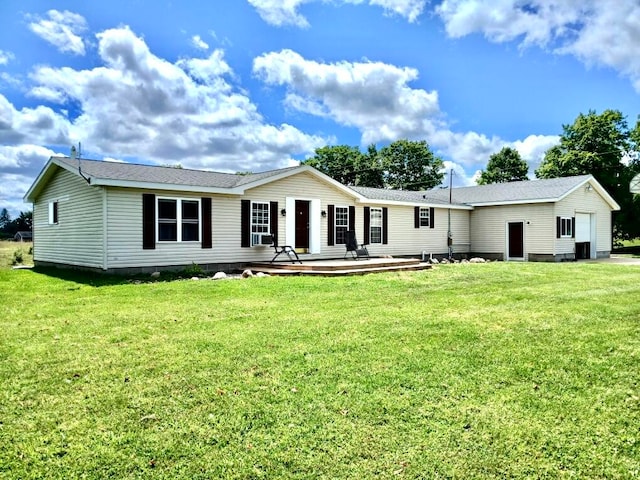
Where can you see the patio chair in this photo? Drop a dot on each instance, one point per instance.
(356, 250)
(287, 250)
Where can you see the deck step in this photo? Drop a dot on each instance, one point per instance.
(339, 267)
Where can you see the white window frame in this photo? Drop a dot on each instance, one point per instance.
(425, 217)
(179, 220)
(260, 228)
(375, 223)
(566, 227)
(54, 212)
(341, 221)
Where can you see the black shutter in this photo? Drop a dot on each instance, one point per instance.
(205, 207)
(352, 218)
(148, 221)
(558, 227)
(432, 217)
(367, 225)
(416, 217)
(273, 220)
(573, 227)
(331, 212)
(385, 225)
(245, 223)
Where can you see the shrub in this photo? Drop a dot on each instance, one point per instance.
(18, 257)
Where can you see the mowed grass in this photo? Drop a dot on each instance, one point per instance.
(502, 370)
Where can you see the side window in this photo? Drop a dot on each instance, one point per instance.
(375, 226)
(425, 218)
(53, 213)
(178, 220)
(259, 222)
(566, 227)
(341, 224)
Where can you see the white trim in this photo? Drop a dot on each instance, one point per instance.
(105, 226)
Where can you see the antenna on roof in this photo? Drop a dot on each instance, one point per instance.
(76, 154)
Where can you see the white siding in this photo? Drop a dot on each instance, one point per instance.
(488, 228)
(78, 238)
(125, 225)
(583, 201)
(405, 239)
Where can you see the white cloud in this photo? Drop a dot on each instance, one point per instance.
(61, 29)
(19, 164)
(200, 44)
(285, 12)
(533, 148)
(377, 99)
(372, 96)
(39, 125)
(596, 32)
(5, 57)
(140, 105)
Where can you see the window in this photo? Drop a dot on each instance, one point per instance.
(178, 220)
(341, 224)
(425, 217)
(375, 226)
(566, 224)
(53, 213)
(259, 222)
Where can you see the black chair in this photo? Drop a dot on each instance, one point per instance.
(288, 250)
(356, 250)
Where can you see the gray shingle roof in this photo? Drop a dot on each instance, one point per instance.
(163, 175)
(513, 192)
(399, 195)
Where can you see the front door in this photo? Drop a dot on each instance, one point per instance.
(515, 240)
(302, 224)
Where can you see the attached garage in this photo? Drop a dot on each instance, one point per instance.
(585, 236)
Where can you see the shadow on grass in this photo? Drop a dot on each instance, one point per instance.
(97, 279)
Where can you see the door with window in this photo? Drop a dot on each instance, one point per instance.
(302, 225)
(515, 240)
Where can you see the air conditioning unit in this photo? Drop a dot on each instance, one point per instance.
(261, 239)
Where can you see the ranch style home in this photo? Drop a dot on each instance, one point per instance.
(128, 218)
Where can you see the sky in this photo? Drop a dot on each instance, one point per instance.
(254, 85)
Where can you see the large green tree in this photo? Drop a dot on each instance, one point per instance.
(598, 144)
(340, 162)
(410, 165)
(505, 166)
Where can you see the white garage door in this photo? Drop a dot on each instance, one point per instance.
(583, 227)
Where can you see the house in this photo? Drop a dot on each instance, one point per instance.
(23, 236)
(121, 217)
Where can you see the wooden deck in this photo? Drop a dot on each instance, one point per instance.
(340, 267)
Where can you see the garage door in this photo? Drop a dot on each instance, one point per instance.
(583, 227)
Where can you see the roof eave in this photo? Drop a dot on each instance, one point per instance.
(164, 186)
(415, 204)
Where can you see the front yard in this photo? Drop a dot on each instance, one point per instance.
(465, 371)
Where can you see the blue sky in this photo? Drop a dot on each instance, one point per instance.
(236, 85)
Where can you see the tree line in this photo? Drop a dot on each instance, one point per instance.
(9, 227)
(602, 145)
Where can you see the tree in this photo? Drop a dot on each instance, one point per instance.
(505, 166)
(410, 165)
(339, 162)
(5, 219)
(596, 144)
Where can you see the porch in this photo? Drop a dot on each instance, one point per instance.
(341, 267)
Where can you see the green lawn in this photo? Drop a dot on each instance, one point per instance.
(502, 370)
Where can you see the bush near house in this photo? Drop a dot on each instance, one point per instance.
(500, 370)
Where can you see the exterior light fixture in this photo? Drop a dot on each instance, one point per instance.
(283, 212)
(323, 213)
